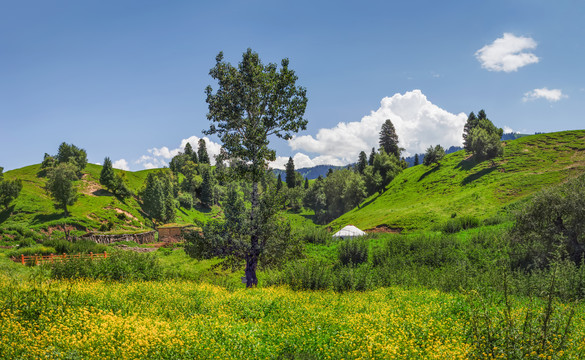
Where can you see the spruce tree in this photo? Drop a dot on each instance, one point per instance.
(207, 186)
(372, 156)
(290, 173)
(279, 182)
(190, 153)
(416, 160)
(107, 176)
(202, 152)
(389, 139)
(472, 122)
(306, 183)
(362, 162)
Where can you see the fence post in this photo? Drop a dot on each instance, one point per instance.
(91, 254)
(105, 255)
(51, 258)
(22, 258)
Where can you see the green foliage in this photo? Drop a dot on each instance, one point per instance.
(118, 266)
(353, 251)
(416, 160)
(36, 249)
(202, 155)
(433, 155)
(459, 223)
(481, 137)
(186, 200)
(290, 173)
(158, 196)
(81, 246)
(107, 175)
(362, 162)
(9, 190)
(313, 235)
(304, 275)
(389, 139)
(551, 225)
(69, 153)
(207, 185)
(60, 185)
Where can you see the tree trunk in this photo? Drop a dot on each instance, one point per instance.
(253, 252)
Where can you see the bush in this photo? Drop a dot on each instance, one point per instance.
(457, 224)
(304, 275)
(81, 246)
(186, 200)
(353, 251)
(32, 250)
(118, 266)
(313, 235)
(360, 278)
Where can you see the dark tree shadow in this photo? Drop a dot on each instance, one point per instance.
(41, 218)
(466, 164)
(369, 201)
(102, 192)
(469, 179)
(203, 209)
(310, 217)
(5, 214)
(429, 172)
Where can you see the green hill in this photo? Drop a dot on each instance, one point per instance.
(96, 208)
(422, 196)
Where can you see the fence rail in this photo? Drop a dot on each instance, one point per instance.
(40, 259)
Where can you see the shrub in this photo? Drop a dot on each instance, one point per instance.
(353, 251)
(118, 266)
(457, 224)
(313, 235)
(186, 200)
(81, 246)
(32, 250)
(304, 275)
(346, 278)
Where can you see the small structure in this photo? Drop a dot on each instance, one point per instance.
(170, 233)
(349, 231)
(139, 238)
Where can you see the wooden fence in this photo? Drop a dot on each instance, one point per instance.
(40, 259)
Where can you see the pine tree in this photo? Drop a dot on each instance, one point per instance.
(107, 176)
(206, 186)
(190, 153)
(416, 161)
(472, 122)
(372, 156)
(279, 182)
(202, 152)
(362, 162)
(306, 183)
(153, 198)
(389, 139)
(290, 173)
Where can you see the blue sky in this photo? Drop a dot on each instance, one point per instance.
(126, 79)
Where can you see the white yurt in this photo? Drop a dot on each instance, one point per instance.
(349, 231)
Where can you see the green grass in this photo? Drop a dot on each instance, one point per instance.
(96, 206)
(423, 196)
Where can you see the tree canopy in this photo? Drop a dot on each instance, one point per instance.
(253, 101)
(60, 185)
(389, 139)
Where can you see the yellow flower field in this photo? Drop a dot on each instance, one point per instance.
(186, 320)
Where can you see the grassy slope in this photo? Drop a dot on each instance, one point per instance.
(34, 208)
(422, 195)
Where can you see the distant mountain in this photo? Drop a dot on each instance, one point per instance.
(311, 172)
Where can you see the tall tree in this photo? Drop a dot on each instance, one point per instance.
(371, 158)
(107, 176)
(472, 122)
(306, 186)
(69, 153)
(279, 182)
(60, 185)
(253, 102)
(202, 152)
(158, 196)
(481, 137)
(190, 153)
(206, 186)
(362, 162)
(416, 160)
(389, 139)
(290, 173)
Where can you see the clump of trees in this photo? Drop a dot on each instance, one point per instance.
(112, 181)
(67, 153)
(551, 227)
(481, 137)
(158, 196)
(433, 155)
(9, 190)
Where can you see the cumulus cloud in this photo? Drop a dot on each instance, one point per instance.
(552, 95)
(121, 164)
(160, 157)
(304, 161)
(507, 53)
(418, 122)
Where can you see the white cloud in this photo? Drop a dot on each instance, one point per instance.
(507, 53)
(303, 161)
(508, 130)
(159, 157)
(121, 164)
(418, 122)
(551, 95)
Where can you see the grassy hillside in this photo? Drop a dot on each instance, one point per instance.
(425, 195)
(94, 208)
